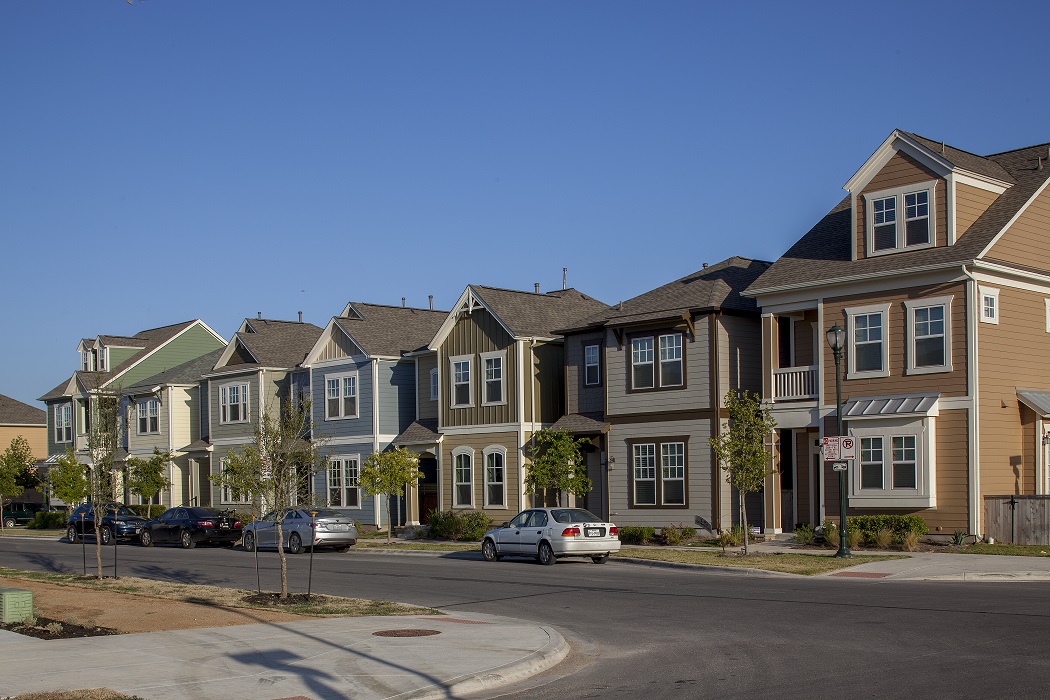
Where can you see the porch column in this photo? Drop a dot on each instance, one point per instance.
(771, 491)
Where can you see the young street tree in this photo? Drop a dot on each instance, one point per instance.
(276, 468)
(388, 473)
(16, 465)
(741, 446)
(66, 480)
(104, 437)
(146, 476)
(557, 463)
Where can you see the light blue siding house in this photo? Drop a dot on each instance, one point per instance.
(363, 391)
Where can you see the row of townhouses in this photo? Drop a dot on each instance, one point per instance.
(935, 264)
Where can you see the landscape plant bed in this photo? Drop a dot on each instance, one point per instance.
(802, 564)
(1016, 550)
(83, 694)
(46, 628)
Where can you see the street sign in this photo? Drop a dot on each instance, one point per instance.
(838, 467)
(838, 448)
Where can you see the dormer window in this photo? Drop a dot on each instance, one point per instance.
(102, 364)
(888, 231)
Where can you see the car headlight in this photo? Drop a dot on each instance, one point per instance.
(119, 522)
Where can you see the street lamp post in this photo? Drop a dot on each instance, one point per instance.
(836, 337)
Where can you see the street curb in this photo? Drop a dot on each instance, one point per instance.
(656, 563)
(538, 661)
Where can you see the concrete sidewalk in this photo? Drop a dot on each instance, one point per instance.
(358, 657)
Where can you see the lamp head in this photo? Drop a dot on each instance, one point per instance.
(836, 337)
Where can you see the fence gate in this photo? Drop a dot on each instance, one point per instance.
(1017, 519)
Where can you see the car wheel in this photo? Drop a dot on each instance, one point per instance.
(546, 555)
(344, 549)
(248, 540)
(71, 535)
(295, 543)
(186, 540)
(107, 536)
(488, 550)
(10, 522)
(146, 538)
(600, 558)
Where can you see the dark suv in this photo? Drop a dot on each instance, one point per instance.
(117, 521)
(19, 513)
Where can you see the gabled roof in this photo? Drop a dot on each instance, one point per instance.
(823, 254)
(273, 344)
(419, 432)
(120, 341)
(389, 331)
(14, 412)
(66, 388)
(186, 373)
(716, 287)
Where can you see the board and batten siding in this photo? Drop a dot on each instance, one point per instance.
(579, 397)
(900, 171)
(739, 353)
(478, 442)
(343, 427)
(697, 391)
(428, 408)
(472, 335)
(1024, 243)
(698, 473)
(396, 391)
(548, 382)
(338, 346)
(898, 336)
(1013, 354)
(970, 203)
(193, 343)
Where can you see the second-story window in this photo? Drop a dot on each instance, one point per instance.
(989, 305)
(461, 387)
(642, 375)
(493, 364)
(233, 403)
(916, 218)
(64, 422)
(434, 385)
(592, 369)
(930, 347)
(149, 416)
(671, 359)
(867, 356)
(657, 362)
(340, 396)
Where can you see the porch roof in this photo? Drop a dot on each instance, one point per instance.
(890, 406)
(1036, 399)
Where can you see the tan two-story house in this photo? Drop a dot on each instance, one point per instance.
(935, 264)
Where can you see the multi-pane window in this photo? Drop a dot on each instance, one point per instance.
(233, 403)
(642, 376)
(904, 462)
(463, 488)
(64, 422)
(644, 466)
(989, 305)
(671, 359)
(495, 478)
(901, 219)
(592, 371)
(930, 348)
(917, 218)
(493, 378)
(149, 416)
(871, 463)
(340, 396)
(343, 482)
(461, 382)
(884, 213)
(228, 494)
(434, 384)
(867, 342)
(672, 472)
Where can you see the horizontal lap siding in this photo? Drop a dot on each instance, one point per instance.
(947, 383)
(582, 398)
(190, 345)
(366, 512)
(343, 427)
(740, 353)
(1020, 333)
(397, 406)
(479, 442)
(970, 203)
(901, 171)
(428, 408)
(37, 437)
(233, 430)
(1024, 243)
(472, 335)
(141, 444)
(698, 473)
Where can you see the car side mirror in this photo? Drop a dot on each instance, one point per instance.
(506, 524)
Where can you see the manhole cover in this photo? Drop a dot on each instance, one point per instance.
(405, 633)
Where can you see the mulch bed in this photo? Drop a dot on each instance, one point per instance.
(275, 600)
(46, 628)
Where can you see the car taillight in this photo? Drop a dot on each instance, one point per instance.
(237, 523)
(570, 532)
(205, 523)
(614, 531)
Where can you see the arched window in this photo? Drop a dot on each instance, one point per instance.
(463, 477)
(495, 476)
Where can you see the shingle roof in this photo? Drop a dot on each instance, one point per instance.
(14, 412)
(186, 373)
(418, 432)
(539, 315)
(964, 159)
(391, 330)
(279, 343)
(823, 253)
(581, 423)
(66, 388)
(121, 341)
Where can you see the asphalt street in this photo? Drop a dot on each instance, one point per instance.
(669, 633)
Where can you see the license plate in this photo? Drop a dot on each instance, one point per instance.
(594, 532)
(224, 526)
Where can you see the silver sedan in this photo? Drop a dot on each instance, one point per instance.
(330, 529)
(549, 534)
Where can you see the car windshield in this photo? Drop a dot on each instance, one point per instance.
(329, 514)
(574, 515)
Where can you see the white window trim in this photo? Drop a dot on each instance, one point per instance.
(223, 489)
(1046, 302)
(500, 450)
(63, 422)
(435, 389)
(910, 306)
(598, 355)
(994, 293)
(342, 459)
(925, 493)
(898, 193)
(653, 351)
(502, 355)
(357, 395)
(139, 415)
(246, 413)
(851, 313)
(656, 474)
(469, 359)
(462, 450)
(660, 361)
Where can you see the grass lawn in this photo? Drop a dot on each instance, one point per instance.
(25, 532)
(803, 564)
(1017, 550)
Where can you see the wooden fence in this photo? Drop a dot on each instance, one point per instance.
(1017, 519)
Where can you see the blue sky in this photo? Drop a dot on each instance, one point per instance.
(163, 161)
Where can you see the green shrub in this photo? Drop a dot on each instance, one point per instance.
(804, 534)
(899, 525)
(959, 537)
(455, 525)
(475, 524)
(636, 534)
(55, 520)
(677, 534)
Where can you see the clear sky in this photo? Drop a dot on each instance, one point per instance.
(168, 160)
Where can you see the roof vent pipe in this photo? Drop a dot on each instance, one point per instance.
(565, 278)
(431, 297)
(300, 317)
(259, 315)
(705, 266)
(621, 305)
(537, 287)
(942, 148)
(402, 302)
(1040, 162)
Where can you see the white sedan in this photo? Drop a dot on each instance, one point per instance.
(549, 534)
(330, 528)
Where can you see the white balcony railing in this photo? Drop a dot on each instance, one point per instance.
(794, 383)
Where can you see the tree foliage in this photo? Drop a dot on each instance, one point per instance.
(557, 463)
(276, 468)
(146, 476)
(741, 446)
(104, 436)
(67, 479)
(15, 463)
(388, 474)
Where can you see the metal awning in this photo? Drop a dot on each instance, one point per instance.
(1035, 399)
(890, 406)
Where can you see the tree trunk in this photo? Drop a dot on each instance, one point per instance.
(743, 517)
(280, 553)
(98, 544)
(389, 517)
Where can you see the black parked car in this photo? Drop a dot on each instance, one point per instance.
(117, 521)
(18, 513)
(189, 525)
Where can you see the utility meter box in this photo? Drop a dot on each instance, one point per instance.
(15, 605)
